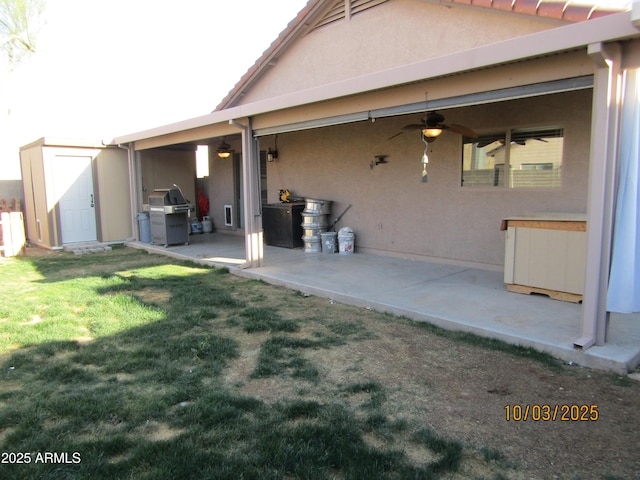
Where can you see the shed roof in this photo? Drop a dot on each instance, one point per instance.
(317, 13)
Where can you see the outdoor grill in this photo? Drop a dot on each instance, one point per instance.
(169, 215)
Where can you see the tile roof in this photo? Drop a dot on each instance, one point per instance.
(567, 10)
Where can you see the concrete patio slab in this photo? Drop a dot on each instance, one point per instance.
(452, 297)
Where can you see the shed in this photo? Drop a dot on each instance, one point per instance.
(75, 191)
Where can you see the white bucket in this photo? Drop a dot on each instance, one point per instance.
(346, 241)
(207, 225)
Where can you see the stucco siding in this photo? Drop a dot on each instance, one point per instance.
(161, 168)
(221, 185)
(393, 212)
(396, 33)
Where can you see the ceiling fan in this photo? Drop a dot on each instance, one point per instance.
(433, 126)
(431, 129)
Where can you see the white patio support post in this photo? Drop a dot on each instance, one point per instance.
(601, 194)
(251, 187)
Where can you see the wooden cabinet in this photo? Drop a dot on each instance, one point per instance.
(546, 253)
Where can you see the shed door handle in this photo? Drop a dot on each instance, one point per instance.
(92, 204)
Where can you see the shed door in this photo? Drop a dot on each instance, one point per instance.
(73, 184)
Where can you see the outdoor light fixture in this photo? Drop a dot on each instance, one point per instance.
(224, 149)
(273, 154)
(431, 132)
(379, 159)
(432, 128)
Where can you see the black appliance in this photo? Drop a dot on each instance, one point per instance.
(282, 224)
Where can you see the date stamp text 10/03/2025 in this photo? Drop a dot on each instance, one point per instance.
(551, 413)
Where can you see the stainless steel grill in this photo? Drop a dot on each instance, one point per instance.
(169, 215)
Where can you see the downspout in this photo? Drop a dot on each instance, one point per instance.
(133, 184)
(601, 196)
(250, 182)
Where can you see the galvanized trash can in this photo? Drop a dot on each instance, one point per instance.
(144, 227)
(329, 242)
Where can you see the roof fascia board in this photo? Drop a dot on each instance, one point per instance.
(65, 142)
(579, 35)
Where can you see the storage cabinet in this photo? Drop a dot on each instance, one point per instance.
(546, 253)
(282, 224)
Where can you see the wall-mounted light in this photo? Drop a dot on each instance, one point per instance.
(224, 149)
(378, 160)
(273, 154)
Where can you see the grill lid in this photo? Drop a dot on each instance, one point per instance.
(166, 196)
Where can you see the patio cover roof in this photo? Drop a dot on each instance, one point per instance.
(576, 36)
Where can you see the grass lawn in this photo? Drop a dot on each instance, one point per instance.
(129, 365)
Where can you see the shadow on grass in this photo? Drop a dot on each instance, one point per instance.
(150, 401)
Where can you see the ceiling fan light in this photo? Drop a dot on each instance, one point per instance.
(224, 150)
(431, 132)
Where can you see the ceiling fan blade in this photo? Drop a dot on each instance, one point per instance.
(413, 126)
(407, 128)
(462, 130)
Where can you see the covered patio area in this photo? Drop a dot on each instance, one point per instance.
(449, 296)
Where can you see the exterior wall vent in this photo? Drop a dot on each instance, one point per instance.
(345, 9)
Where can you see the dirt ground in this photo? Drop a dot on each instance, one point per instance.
(462, 391)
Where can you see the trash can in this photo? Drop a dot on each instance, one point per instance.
(144, 227)
(346, 240)
(329, 242)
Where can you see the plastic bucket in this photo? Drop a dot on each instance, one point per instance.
(207, 225)
(329, 242)
(196, 226)
(144, 226)
(346, 241)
